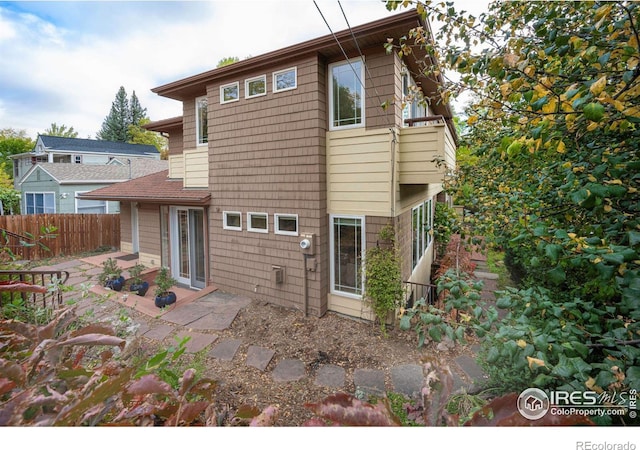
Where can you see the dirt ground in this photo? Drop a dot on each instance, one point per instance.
(332, 339)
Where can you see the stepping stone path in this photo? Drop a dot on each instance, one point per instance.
(289, 370)
(226, 349)
(259, 357)
(331, 376)
(217, 311)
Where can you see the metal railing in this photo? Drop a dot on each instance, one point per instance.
(41, 287)
(417, 291)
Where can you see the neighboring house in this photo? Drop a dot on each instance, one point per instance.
(53, 187)
(57, 149)
(284, 167)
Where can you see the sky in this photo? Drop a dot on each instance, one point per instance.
(64, 62)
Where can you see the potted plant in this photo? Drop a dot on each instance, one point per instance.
(111, 275)
(137, 284)
(164, 282)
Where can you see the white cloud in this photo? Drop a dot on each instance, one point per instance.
(68, 60)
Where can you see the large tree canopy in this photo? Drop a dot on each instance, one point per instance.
(554, 133)
(123, 114)
(61, 130)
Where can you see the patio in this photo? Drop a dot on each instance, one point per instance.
(144, 304)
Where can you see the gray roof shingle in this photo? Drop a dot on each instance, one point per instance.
(95, 146)
(67, 173)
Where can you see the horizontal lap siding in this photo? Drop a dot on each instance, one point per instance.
(267, 154)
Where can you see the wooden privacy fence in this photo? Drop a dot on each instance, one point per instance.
(75, 234)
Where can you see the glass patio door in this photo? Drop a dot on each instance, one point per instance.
(188, 246)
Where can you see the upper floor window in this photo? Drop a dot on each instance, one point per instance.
(285, 80)
(346, 94)
(414, 104)
(255, 87)
(202, 132)
(230, 92)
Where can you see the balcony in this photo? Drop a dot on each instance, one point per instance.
(423, 144)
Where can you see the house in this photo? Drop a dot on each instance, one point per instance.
(49, 188)
(284, 167)
(57, 168)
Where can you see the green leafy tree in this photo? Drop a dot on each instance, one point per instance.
(554, 126)
(62, 130)
(13, 142)
(141, 136)
(227, 61)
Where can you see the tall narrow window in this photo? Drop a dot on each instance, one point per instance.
(201, 120)
(347, 246)
(346, 94)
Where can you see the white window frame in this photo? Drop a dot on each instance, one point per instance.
(106, 203)
(200, 139)
(250, 215)
(248, 81)
(280, 72)
(421, 238)
(276, 224)
(44, 193)
(225, 224)
(349, 64)
(236, 85)
(428, 223)
(332, 256)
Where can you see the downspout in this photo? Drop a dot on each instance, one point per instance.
(393, 173)
(305, 287)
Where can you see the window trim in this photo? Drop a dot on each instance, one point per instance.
(235, 84)
(225, 225)
(200, 141)
(75, 196)
(276, 224)
(279, 72)
(420, 246)
(332, 260)
(257, 230)
(348, 63)
(249, 80)
(53, 194)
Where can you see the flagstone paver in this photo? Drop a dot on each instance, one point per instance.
(408, 379)
(226, 349)
(289, 370)
(259, 357)
(186, 314)
(159, 332)
(331, 375)
(198, 341)
(212, 321)
(369, 381)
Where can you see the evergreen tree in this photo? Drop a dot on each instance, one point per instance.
(136, 112)
(115, 126)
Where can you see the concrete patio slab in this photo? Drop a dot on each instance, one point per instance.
(289, 370)
(259, 357)
(331, 375)
(226, 349)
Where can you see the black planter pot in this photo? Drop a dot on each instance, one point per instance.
(165, 300)
(140, 289)
(116, 284)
